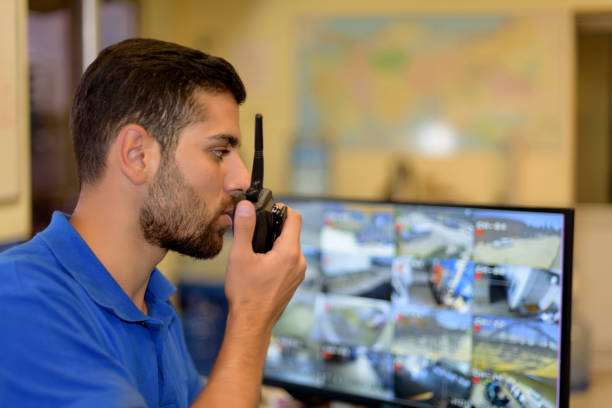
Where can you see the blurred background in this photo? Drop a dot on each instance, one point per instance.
(473, 102)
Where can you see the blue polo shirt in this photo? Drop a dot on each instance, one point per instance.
(72, 337)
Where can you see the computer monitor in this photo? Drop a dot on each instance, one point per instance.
(428, 305)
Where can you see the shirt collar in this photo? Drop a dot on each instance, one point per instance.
(80, 261)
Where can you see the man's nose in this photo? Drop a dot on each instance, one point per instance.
(238, 178)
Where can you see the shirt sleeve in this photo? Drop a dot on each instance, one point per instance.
(49, 355)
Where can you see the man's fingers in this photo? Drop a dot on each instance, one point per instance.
(291, 228)
(244, 225)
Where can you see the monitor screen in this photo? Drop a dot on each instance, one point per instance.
(428, 305)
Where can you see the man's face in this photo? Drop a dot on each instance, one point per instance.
(193, 194)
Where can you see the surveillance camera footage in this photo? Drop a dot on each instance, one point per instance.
(338, 342)
(427, 233)
(514, 238)
(515, 291)
(446, 283)
(432, 350)
(520, 357)
(428, 305)
(357, 249)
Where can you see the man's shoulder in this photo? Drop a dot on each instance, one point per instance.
(34, 285)
(32, 266)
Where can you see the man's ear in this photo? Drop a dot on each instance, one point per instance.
(138, 153)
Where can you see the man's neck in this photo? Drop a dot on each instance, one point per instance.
(114, 236)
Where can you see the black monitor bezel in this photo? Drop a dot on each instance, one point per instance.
(313, 395)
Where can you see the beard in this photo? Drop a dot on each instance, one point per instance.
(173, 217)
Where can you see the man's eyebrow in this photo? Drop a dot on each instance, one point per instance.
(231, 140)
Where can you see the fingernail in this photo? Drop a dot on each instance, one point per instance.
(244, 210)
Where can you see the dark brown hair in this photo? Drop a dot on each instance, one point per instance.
(147, 82)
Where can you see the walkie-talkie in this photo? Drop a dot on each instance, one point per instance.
(270, 217)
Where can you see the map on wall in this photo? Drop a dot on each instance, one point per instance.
(474, 81)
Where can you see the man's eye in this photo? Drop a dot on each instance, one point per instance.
(220, 152)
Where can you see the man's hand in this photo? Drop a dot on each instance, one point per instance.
(259, 286)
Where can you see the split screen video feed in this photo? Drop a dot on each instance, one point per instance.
(446, 306)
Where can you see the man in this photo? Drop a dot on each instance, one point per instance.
(86, 319)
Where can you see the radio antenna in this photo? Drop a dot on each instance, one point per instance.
(258, 162)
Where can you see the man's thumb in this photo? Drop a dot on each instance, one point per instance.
(244, 224)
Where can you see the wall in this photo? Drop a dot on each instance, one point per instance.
(15, 194)
(593, 127)
(260, 37)
(593, 278)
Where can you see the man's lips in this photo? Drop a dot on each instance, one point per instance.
(229, 210)
(229, 213)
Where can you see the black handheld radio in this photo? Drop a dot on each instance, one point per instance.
(270, 217)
